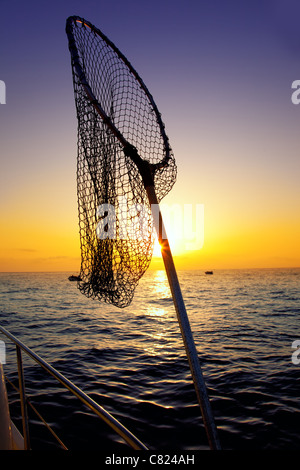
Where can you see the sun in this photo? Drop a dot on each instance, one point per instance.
(173, 243)
(157, 248)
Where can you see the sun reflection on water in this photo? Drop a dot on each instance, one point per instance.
(155, 311)
(160, 284)
(160, 336)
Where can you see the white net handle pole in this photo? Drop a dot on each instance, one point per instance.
(184, 324)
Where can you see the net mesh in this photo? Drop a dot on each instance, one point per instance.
(115, 221)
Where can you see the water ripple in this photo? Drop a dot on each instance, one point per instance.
(132, 360)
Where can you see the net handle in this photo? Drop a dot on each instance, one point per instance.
(184, 324)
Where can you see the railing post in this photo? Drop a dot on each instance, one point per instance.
(23, 399)
(121, 430)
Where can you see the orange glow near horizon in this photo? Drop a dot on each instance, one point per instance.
(41, 233)
(34, 248)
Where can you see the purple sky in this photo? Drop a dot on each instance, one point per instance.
(220, 72)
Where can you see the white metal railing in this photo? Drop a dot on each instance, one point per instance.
(121, 430)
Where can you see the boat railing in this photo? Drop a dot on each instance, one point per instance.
(121, 430)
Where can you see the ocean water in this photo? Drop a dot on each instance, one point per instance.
(132, 360)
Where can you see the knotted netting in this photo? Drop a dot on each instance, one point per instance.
(118, 122)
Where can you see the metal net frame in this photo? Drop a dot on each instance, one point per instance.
(120, 131)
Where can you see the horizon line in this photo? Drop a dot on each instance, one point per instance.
(161, 269)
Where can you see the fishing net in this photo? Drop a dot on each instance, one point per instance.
(118, 122)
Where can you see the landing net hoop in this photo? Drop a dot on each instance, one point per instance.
(122, 147)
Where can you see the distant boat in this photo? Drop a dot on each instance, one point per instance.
(74, 278)
(209, 272)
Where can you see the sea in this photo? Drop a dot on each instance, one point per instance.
(132, 361)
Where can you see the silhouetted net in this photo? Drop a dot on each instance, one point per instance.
(115, 221)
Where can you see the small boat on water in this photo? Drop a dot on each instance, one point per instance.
(209, 272)
(74, 278)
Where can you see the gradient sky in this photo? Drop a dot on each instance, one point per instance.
(221, 75)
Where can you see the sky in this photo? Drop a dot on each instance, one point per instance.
(221, 74)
